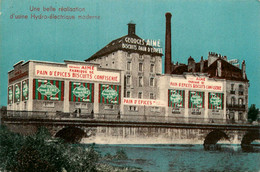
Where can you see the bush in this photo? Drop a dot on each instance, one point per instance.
(41, 152)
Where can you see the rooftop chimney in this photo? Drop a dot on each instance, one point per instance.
(168, 53)
(244, 69)
(131, 28)
(201, 64)
(219, 71)
(191, 64)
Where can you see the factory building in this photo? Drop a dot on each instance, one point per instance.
(64, 88)
(126, 77)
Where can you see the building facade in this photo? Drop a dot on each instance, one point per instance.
(64, 87)
(126, 77)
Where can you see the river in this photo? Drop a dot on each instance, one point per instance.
(164, 158)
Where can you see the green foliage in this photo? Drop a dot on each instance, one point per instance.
(41, 152)
(120, 155)
(253, 113)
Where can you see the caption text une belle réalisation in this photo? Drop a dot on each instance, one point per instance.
(45, 13)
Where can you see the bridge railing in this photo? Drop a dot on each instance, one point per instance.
(113, 117)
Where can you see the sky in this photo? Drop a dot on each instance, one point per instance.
(227, 27)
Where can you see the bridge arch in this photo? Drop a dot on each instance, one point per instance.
(248, 138)
(213, 137)
(71, 134)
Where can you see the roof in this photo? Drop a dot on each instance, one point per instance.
(117, 44)
(229, 72)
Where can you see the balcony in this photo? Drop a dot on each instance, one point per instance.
(240, 93)
(236, 107)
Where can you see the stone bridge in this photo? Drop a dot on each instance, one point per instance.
(120, 131)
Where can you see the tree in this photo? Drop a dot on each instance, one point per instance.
(253, 113)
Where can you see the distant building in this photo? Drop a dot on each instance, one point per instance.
(126, 77)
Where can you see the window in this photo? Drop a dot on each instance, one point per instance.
(232, 91)
(233, 101)
(232, 87)
(151, 96)
(84, 106)
(25, 105)
(140, 81)
(155, 109)
(128, 66)
(152, 82)
(140, 95)
(128, 94)
(240, 101)
(140, 67)
(215, 111)
(133, 108)
(77, 105)
(195, 111)
(240, 116)
(152, 68)
(241, 90)
(176, 111)
(128, 79)
(48, 104)
(109, 107)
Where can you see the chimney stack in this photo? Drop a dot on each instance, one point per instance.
(219, 70)
(131, 28)
(244, 69)
(168, 53)
(191, 65)
(201, 64)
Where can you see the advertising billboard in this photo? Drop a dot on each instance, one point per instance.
(216, 100)
(196, 99)
(176, 98)
(109, 94)
(81, 92)
(48, 89)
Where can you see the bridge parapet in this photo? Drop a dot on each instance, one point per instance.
(118, 117)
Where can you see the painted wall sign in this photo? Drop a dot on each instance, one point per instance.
(18, 76)
(109, 94)
(48, 90)
(143, 102)
(196, 99)
(200, 83)
(82, 72)
(81, 92)
(25, 90)
(10, 94)
(216, 100)
(176, 98)
(17, 92)
(141, 45)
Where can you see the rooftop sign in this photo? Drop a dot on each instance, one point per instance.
(150, 46)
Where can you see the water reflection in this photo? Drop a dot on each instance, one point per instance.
(162, 158)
